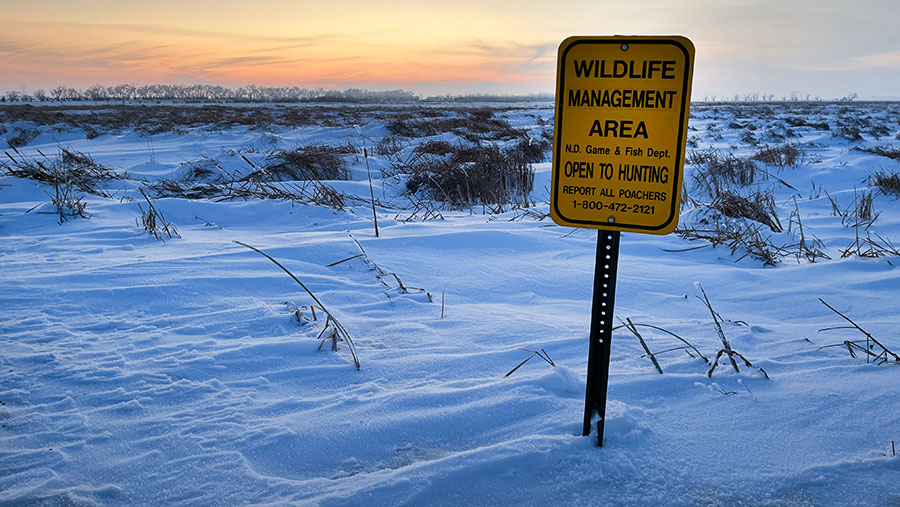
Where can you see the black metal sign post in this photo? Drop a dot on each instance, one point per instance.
(602, 308)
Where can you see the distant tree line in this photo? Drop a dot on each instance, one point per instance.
(250, 93)
(204, 92)
(535, 97)
(794, 97)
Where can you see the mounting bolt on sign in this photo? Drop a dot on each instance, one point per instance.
(618, 160)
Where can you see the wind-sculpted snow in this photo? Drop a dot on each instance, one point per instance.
(140, 372)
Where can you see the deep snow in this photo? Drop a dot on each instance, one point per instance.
(143, 372)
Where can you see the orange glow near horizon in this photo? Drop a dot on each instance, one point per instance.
(467, 46)
(381, 48)
(116, 55)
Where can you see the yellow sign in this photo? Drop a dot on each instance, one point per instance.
(620, 130)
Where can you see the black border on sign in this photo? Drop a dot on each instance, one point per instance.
(679, 165)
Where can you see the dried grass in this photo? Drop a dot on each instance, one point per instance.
(67, 204)
(256, 186)
(153, 221)
(719, 172)
(785, 155)
(726, 345)
(314, 162)
(70, 168)
(21, 137)
(853, 346)
(687, 347)
(540, 353)
(888, 182)
(472, 175)
(809, 248)
(381, 274)
(333, 330)
(474, 125)
(759, 207)
(738, 236)
(884, 151)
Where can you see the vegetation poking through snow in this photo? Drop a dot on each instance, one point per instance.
(473, 175)
(333, 330)
(719, 172)
(315, 162)
(153, 221)
(726, 349)
(888, 182)
(69, 168)
(883, 150)
(874, 350)
(785, 155)
(759, 207)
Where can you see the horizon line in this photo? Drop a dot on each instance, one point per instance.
(319, 94)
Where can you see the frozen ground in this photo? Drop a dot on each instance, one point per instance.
(142, 372)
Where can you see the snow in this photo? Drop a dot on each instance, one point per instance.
(142, 372)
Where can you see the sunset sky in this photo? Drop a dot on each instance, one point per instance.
(823, 48)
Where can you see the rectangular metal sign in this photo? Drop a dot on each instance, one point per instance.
(620, 131)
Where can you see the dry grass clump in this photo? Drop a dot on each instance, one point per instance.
(314, 162)
(801, 121)
(809, 247)
(388, 145)
(21, 137)
(153, 221)
(200, 179)
(473, 125)
(68, 205)
(434, 147)
(727, 351)
(872, 246)
(738, 236)
(878, 131)
(718, 172)
(473, 174)
(889, 183)
(860, 213)
(884, 151)
(785, 155)
(759, 207)
(185, 190)
(71, 168)
(749, 137)
(848, 132)
(533, 150)
(222, 186)
(306, 192)
(207, 169)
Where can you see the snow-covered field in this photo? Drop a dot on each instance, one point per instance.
(135, 371)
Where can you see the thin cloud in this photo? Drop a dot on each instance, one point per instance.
(888, 59)
(93, 55)
(185, 32)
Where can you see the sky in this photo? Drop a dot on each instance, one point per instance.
(808, 49)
